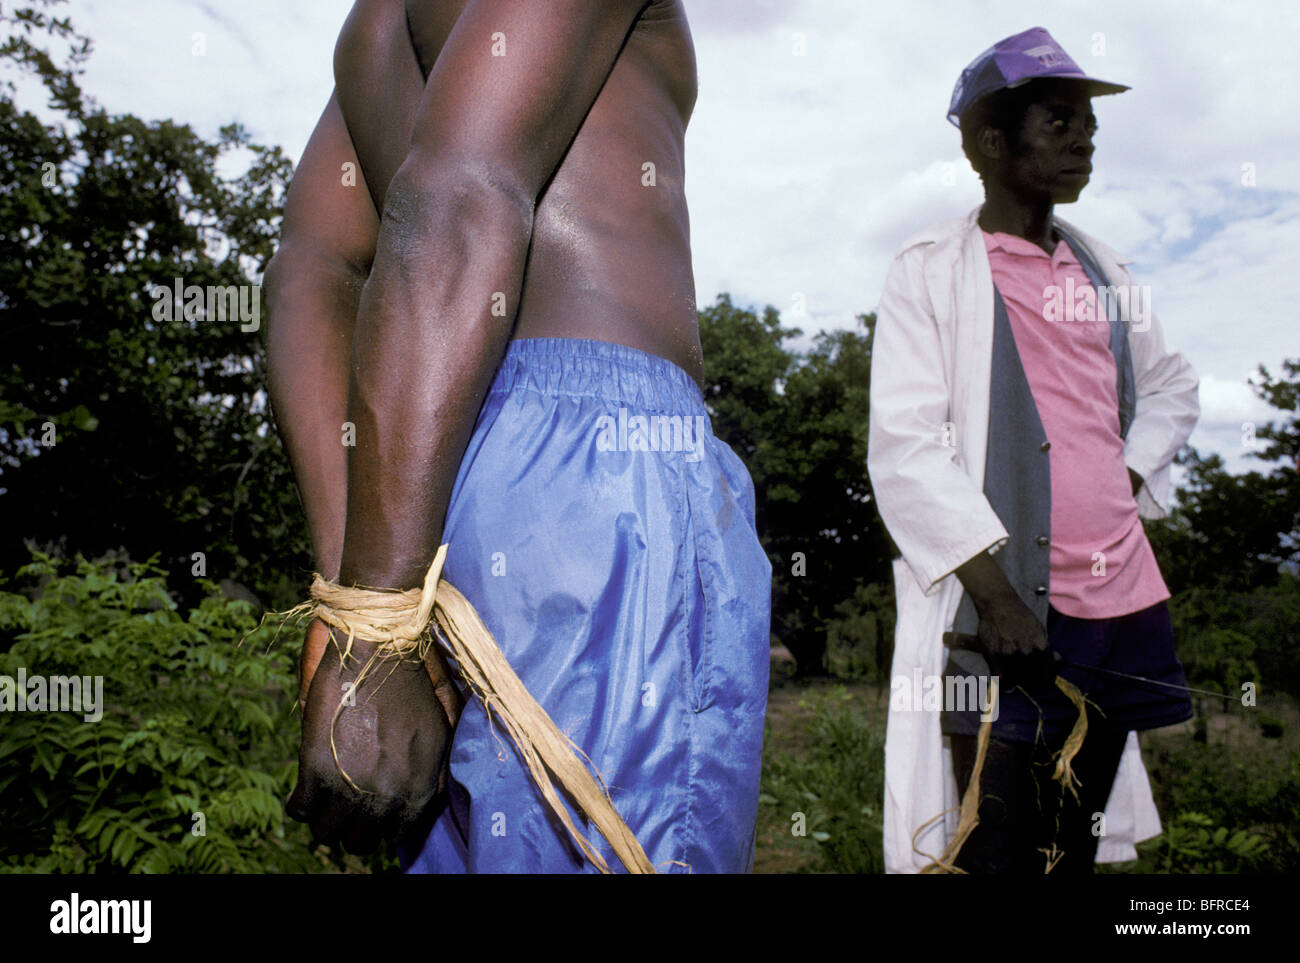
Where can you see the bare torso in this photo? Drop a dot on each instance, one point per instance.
(610, 257)
(593, 237)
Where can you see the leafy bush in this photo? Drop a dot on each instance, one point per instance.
(837, 783)
(860, 638)
(1247, 785)
(1192, 843)
(196, 750)
(1227, 637)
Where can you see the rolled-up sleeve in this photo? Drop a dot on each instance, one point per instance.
(936, 513)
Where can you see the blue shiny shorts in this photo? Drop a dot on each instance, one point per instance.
(606, 538)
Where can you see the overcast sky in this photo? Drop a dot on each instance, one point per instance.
(805, 172)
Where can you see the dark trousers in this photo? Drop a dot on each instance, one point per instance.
(1023, 812)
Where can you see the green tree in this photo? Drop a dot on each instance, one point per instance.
(1236, 531)
(1226, 530)
(119, 427)
(1283, 393)
(799, 422)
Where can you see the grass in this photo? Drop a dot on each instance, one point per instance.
(1227, 786)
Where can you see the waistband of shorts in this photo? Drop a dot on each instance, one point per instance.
(581, 367)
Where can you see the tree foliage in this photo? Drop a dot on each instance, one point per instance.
(196, 748)
(799, 422)
(1238, 531)
(118, 429)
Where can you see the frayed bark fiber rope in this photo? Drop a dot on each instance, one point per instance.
(401, 621)
(1064, 774)
(968, 817)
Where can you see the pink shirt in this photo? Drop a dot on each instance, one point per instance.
(1102, 564)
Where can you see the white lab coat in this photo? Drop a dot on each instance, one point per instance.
(931, 360)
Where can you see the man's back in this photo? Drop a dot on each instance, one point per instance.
(610, 255)
(523, 377)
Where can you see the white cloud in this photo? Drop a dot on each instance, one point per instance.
(805, 172)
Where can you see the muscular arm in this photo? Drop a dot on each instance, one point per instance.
(490, 132)
(456, 228)
(314, 285)
(331, 226)
(313, 289)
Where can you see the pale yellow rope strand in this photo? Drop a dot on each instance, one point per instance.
(970, 801)
(400, 623)
(969, 809)
(1064, 774)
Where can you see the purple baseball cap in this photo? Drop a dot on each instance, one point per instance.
(1017, 60)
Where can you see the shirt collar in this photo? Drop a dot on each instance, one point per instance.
(1013, 244)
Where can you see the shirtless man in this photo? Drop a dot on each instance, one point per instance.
(528, 285)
